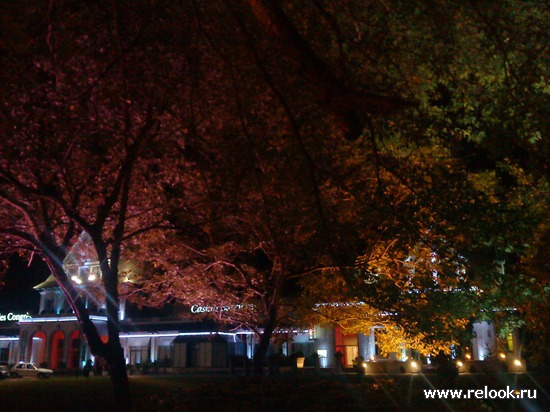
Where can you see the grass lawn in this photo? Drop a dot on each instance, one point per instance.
(286, 393)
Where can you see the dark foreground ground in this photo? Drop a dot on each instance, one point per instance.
(286, 393)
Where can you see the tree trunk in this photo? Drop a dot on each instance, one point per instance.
(265, 339)
(119, 377)
(117, 363)
(112, 352)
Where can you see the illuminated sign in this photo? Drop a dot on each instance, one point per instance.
(14, 317)
(206, 309)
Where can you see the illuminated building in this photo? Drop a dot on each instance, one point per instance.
(180, 339)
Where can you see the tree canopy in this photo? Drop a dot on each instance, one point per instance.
(276, 154)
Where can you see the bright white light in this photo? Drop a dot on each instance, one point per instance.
(61, 319)
(414, 364)
(322, 353)
(459, 364)
(91, 278)
(176, 334)
(151, 335)
(365, 365)
(517, 362)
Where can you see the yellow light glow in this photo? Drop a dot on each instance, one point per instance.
(365, 365)
(517, 362)
(414, 364)
(468, 356)
(459, 364)
(503, 356)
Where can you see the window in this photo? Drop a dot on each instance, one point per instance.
(94, 274)
(510, 342)
(83, 272)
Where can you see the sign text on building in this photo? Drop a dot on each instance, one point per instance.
(14, 317)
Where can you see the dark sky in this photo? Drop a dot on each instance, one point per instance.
(17, 294)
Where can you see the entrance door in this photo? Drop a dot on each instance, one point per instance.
(58, 348)
(351, 353)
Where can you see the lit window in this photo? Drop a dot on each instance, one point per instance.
(510, 342)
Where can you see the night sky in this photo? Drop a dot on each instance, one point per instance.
(17, 294)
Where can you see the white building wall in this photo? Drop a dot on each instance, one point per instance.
(484, 343)
(325, 345)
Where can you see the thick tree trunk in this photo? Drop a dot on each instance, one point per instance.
(265, 339)
(119, 377)
(88, 328)
(112, 352)
(261, 351)
(115, 358)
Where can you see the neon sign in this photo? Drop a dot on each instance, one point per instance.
(14, 317)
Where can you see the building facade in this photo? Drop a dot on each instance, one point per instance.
(53, 337)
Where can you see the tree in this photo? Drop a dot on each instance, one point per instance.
(251, 101)
(82, 148)
(285, 196)
(468, 160)
(262, 221)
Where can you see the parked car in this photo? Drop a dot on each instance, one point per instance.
(30, 369)
(4, 372)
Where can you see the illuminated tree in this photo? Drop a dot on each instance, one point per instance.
(288, 198)
(225, 120)
(464, 174)
(84, 148)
